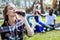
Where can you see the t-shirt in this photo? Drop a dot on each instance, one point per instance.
(50, 19)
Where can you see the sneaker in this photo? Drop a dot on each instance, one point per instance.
(48, 29)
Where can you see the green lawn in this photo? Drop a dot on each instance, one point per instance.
(51, 35)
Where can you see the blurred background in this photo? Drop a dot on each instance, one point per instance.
(45, 5)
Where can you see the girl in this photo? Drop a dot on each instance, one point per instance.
(13, 26)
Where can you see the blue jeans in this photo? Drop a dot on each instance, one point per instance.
(38, 28)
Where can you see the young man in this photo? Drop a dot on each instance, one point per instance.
(50, 18)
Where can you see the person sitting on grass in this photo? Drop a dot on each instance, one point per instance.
(50, 19)
(39, 26)
(13, 26)
(38, 19)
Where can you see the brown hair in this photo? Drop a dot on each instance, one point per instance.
(4, 14)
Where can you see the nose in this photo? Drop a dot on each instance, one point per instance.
(13, 9)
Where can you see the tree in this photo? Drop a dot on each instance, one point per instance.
(41, 2)
(54, 4)
(31, 8)
(59, 6)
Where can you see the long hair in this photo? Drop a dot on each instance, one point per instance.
(4, 13)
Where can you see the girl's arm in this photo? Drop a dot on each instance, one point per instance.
(30, 31)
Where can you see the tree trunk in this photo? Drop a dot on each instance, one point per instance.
(54, 4)
(59, 7)
(25, 3)
(42, 10)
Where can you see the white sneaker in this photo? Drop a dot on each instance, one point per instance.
(48, 29)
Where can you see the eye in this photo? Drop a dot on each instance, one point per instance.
(11, 8)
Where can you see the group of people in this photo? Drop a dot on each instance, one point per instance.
(15, 23)
(38, 24)
(50, 20)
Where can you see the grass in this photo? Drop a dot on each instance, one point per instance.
(1, 22)
(51, 35)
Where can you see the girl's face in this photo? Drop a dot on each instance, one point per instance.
(11, 10)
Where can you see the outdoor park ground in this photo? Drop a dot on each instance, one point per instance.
(51, 35)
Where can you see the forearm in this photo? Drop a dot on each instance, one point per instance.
(54, 22)
(30, 31)
(43, 15)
